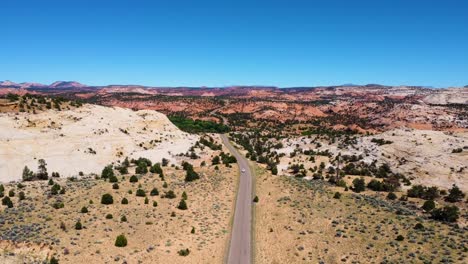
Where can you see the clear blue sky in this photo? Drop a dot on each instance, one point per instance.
(218, 43)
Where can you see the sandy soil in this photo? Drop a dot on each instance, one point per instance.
(154, 236)
(298, 221)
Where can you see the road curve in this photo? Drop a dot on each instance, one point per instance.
(240, 247)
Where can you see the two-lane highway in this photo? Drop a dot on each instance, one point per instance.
(240, 246)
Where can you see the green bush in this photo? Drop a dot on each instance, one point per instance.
(428, 206)
(53, 260)
(255, 200)
(184, 195)
(400, 238)
(121, 241)
(84, 210)
(337, 195)
(155, 204)
(184, 252)
(182, 205)
(113, 179)
(109, 216)
(446, 214)
(22, 196)
(124, 201)
(359, 185)
(107, 172)
(419, 226)
(7, 201)
(170, 194)
(78, 225)
(58, 205)
(133, 179)
(191, 175)
(107, 199)
(391, 196)
(154, 192)
(115, 186)
(455, 195)
(123, 218)
(140, 193)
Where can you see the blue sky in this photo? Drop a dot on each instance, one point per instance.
(220, 43)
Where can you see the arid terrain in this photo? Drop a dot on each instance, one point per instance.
(342, 174)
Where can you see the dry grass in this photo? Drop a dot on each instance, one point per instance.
(298, 221)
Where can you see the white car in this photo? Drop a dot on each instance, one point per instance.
(243, 170)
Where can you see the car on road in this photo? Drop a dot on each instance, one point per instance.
(243, 170)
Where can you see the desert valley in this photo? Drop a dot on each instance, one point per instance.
(134, 174)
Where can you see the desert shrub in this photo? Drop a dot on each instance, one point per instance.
(170, 194)
(123, 170)
(154, 192)
(107, 199)
(215, 160)
(55, 189)
(140, 193)
(391, 196)
(78, 225)
(53, 260)
(400, 238)
(58, 205)
(141, 168)
(164, 185)
(419, 226)
(107, 172)
(124, 201)
(191, 175)
(255, 200)
(427, 193)
(113, 179)
(84, 210)
(121, 241)
(182, 205)
(184, 195)
(428, 206)
(28, 175)
(341, 183)
(11, 193)
(133, 179)
(146, 200)
(359, 185)
(123, 218)
(446, 214)
(155, 204)
(337, 195)
(193, 230)
(7, 201)
(455, 195)
(109, 216)
(21, 196)
(42, 170)
(115, 186)
(184, 252)
(156, 168)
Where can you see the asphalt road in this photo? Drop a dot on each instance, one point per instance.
(240, 246)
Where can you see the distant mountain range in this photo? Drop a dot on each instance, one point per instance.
(26, 85)
(74, 84)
